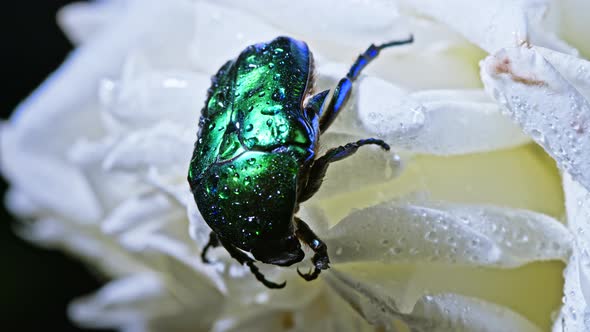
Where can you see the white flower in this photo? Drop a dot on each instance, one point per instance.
(458, 238)
(546, 90)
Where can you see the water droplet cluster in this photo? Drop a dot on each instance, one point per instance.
(553, 111)
(478, 235)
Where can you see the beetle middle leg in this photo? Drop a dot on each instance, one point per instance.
(344, 87)
(320, 166)
(320, 259)
(213, 243)
(242, 258)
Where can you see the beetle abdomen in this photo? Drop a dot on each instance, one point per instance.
(249, 198)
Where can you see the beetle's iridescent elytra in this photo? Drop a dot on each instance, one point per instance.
(255, 158)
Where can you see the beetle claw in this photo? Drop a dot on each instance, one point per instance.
(271, 284)
(302, 274)
(260, 277)
(309, 276)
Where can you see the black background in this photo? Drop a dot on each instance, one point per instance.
(35, 284)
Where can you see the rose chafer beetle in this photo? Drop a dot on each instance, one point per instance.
(255, 158)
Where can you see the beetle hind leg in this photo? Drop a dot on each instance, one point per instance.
(344, 87)
(320, 259)
(242, 258)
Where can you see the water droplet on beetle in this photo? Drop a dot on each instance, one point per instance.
(278, 94)
(252, 141)
(271, 65)
(261, 94)
(272, 110)
(269, 122)
(282, 128)
(249, 127)
(251, 162)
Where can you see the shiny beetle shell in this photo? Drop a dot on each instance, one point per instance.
(254, 141)
(255, 157)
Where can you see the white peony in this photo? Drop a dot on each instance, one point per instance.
(460, 235)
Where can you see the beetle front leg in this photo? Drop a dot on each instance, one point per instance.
(242, 258)
(344, 87)
(320, 166)
(320, 259)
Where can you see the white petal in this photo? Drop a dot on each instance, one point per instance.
(177, 257)
(577, 203)
(261, 309)
(53, 107)
(542, 38)
(216, 41)
(21, 204)
(145, 302)
(382, 109)
(523, 177)
(136, 210)
(199, 230)
(52, 183)
(575, 70)
(164, 145)
(447, 59)
(349, 21)
(494, 24)
(454, 122)
(145, 96)
(451, 312)
(94, 311)
(253, 320)
(179, 191)
(445, 312)
(544, 103)
(576, 298)
(442, 122)
(456, 234)
(82, 21)
(437, 51)
(435, 121)
(83, 241)
(378, 308)
(88, 153)
(574, 22)
(352, 174)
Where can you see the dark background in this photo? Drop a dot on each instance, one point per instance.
(35, 284)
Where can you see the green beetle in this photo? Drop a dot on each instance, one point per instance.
(255, 158)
